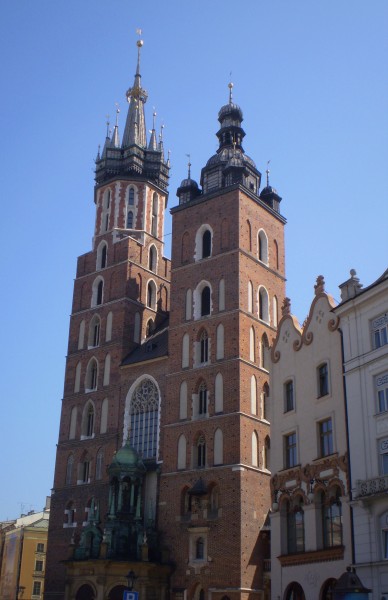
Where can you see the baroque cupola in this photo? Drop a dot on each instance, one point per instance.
(134, 157)
(188, 189)
(270, 196)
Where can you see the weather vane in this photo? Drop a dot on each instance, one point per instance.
(267, 172)
(189, 166)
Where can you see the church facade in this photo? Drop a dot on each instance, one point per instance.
(163, 450)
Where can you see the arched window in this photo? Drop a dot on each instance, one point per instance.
(109, 323)
(295, 526)
(205, 301)
(81, 335)
(73, 423)
(263, 305)
(263, 247)
(220, 342)
(183, 400)
(129, 219)
(131, 196)
(69, 515)
(218, 447)
(94, 332)
(204, 347)
(77, 379)
(265, 402)
(275, 311)
(276, 254)
(253, 395)
(327, 590)
(182, 446)
(185, 351)
(252, 344)
(85, 592)
(105, 211)
(136, 329)
(150, 327)
(201, 452)
(144, 418)
(249, 231)
(189, 305)
(255, 449)
(152, 257)
(91, 376)
(221, 295)
(202, 399)
(106, 370)
(151, 295)
(264, 359)
(69, 469)
(88, 421)
(266, 453)
(154, 222)
(200, 549)
(250, 297)
(99, 464)
(219, 394)
(104, 416)
(294, 592)
(101, 256)
(97, 292)
(206, 244)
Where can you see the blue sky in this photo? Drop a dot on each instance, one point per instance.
(311, 79)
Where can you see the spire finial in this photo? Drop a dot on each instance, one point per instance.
(117, 113)
(139, 44)
(267, 172)
(188, 167)
(230, 86)
(161, 133)
(153, 118)
(107, 125)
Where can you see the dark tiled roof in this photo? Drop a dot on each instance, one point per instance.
(155, 346)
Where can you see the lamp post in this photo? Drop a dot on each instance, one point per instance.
(349, 587)
(131, 577)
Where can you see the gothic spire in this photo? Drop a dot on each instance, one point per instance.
(135, 130)
(115, 141)
(153, 145)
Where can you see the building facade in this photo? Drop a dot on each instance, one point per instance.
(311, 542)
(162, 458)
(363, 317)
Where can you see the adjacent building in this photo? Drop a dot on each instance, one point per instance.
(162, 458)
(310, 521)
(363, 314)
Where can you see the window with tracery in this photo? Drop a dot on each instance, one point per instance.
(144, 418)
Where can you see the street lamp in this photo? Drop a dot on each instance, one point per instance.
(131, 580)
(349, 587)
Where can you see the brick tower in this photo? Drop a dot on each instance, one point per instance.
(121, 295)
(226, 281)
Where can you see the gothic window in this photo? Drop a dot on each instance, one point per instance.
(323, 380)
(276, 254)
(206, 244)
(81, 335)
(77, 379)
(266, 454)
(101, 255)
(106, 370)
(150, 327)
(69, 469)
(105, 211)
(109, 323)
(263, 247)
(189, 305)
(249, 231)
(205, 301)
(185, 351)
(250, 297)
(154, 222)
(265, 402)
(204, 347)
(91, 376)
(104, 416)
(264, 352)
(183, 401)
(130, 219)
(252, 344)
(99, 464)
(97, 292)
(219, 394)
(221, 295)
(88, 421)
(263, 305)
(131, 197)
(152, 256)
(136, 329)
(255, 449)
(182, 446)
(151, 295)
(144, 415)
(218, 447)
(202, 399)
(275, 311)
(201, 452)
(220, 342)
(69, 515)
(253, 395)
(94, 332)
(84, 471)
(73, 423)
(295, 526)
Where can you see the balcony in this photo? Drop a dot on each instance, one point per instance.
(372, 487)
